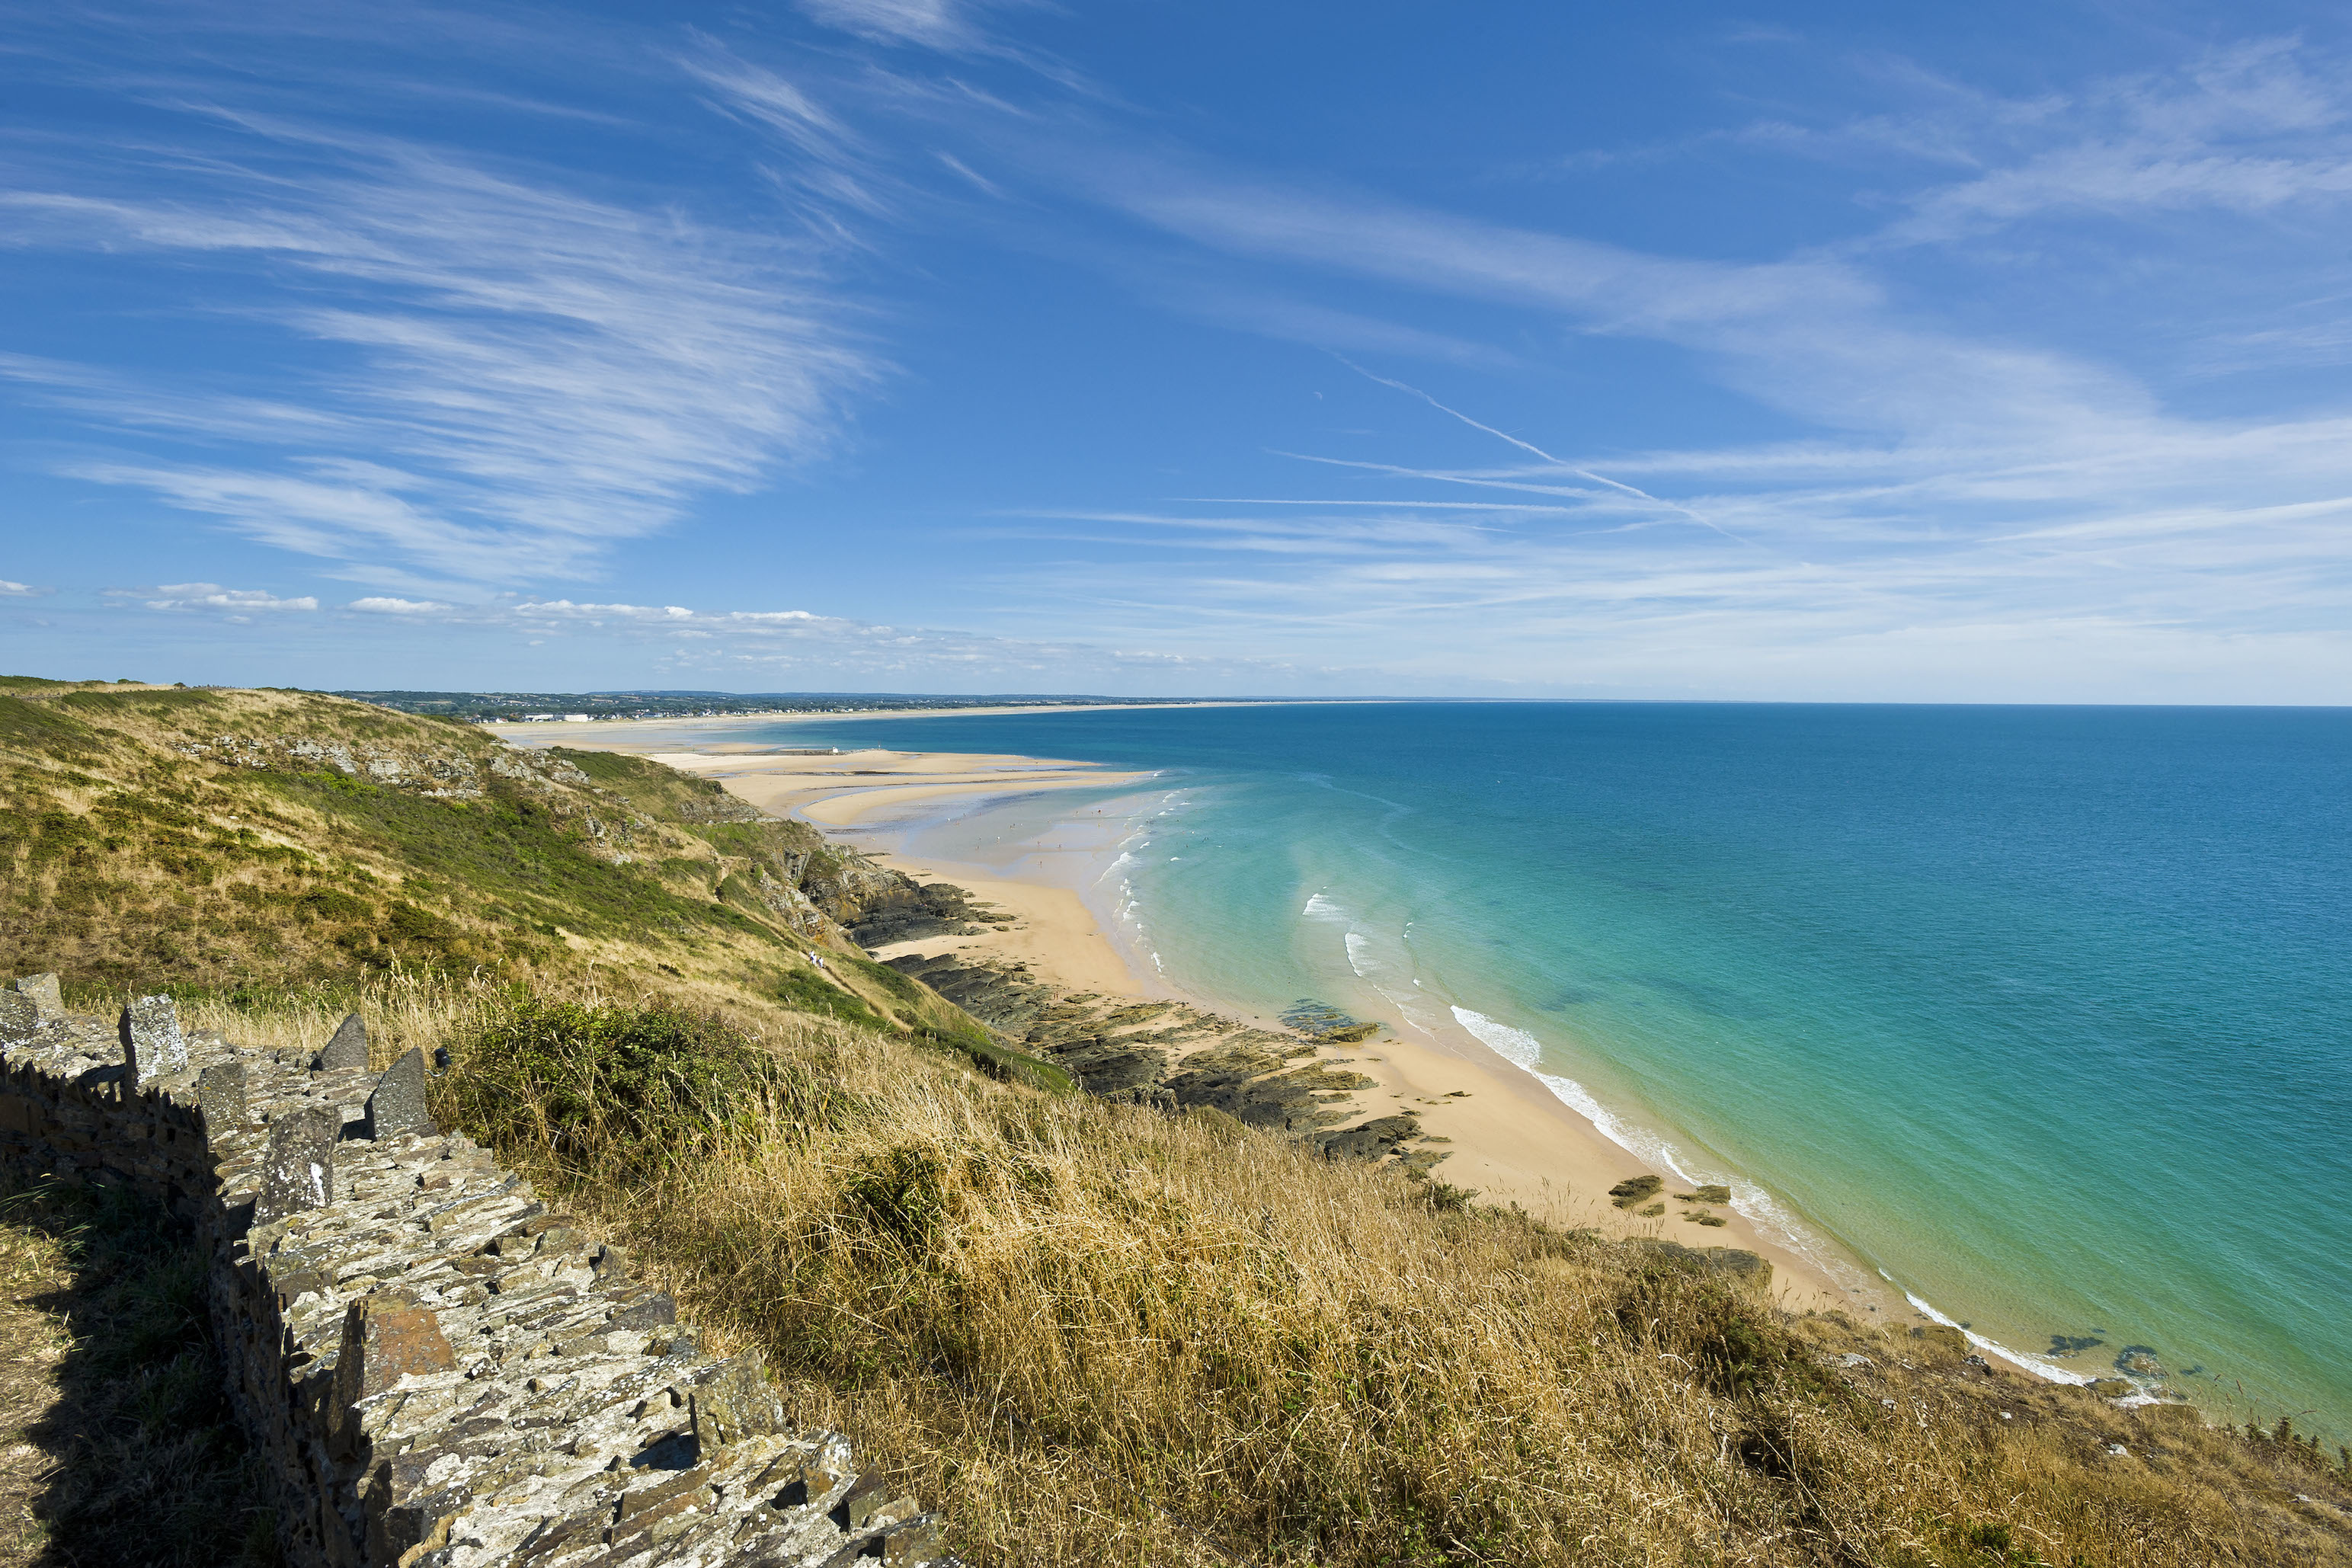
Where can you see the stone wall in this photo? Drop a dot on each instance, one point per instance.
(440, 1373)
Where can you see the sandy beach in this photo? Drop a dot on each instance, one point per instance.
(1510, 1138)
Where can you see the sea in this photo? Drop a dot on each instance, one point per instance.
(2043, 1015)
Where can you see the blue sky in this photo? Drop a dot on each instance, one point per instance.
(1823, 351)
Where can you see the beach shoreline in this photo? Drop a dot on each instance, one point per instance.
(631, 734)
(1509, 1136)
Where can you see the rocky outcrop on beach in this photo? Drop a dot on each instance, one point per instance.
(1180, 1058)
(878, 905)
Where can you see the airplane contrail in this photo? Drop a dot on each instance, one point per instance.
(1538, 451)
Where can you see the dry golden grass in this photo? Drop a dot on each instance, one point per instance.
(1101, 1335)
(33, 1339)
(1093, 1333)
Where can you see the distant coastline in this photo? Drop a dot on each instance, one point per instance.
(1512, 1139)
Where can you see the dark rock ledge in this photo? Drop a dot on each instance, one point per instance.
(1178, 1057)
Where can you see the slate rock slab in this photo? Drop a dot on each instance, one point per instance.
(386, 1336)
(19, 1018)
(735, 1402)
(298, 1168)
(220, 1095)
(348, 1048)
(46, 996)
(397, 1106)
(151, 1041)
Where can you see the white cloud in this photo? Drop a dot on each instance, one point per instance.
(1815, 337)
(526, 372)
(19, 590)
(240, 605)
(386, 605)
(2247, 128)
(934, 24)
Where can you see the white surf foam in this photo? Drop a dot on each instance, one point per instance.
(2040, 1366)
(1523, 1051)
(1750, 1202)
(1319, 907)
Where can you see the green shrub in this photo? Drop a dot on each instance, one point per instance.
(901, 1192)
(633, 1090)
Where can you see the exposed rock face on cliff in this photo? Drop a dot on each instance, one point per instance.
(1178, 1057)
(879, 907)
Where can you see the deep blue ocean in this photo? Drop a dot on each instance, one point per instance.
(2044, 1013)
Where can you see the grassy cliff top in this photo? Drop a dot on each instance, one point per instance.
(246, 842)
(1096, 1333)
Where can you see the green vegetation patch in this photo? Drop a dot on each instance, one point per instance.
(105, 705)
(803, 991)
(969, 1040)
(38, 724)
(654, 787)
(509, 848)
(898, 986)
(774, 840)
(636, 1088)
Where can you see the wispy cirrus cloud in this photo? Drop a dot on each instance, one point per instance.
(2253, 127)
(1813, 449)
(499, 374)
(9, 590)
(1956, 485)
(934, 24)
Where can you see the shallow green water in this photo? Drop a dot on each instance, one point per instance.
(2046, 1012)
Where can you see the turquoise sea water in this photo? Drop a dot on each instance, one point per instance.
(2046, 1012)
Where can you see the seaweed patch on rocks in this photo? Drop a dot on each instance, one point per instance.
(1323, 1022)
(1180, 1058)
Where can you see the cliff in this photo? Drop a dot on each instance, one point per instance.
(217, 840)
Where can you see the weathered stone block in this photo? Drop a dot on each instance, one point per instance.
(43, 992)
(652, 1312)
(348, 1047)
(151, 1042)
(914, 1542)
(404, 1511)
(397, 1105)
(220, 1095)
(641, 1505)
(386, 1336)
(384, 1454)
(735, 1402)
(18, 1017)
(298, 1168)
(875, 1502)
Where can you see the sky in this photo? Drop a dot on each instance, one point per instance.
(1769, 352)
